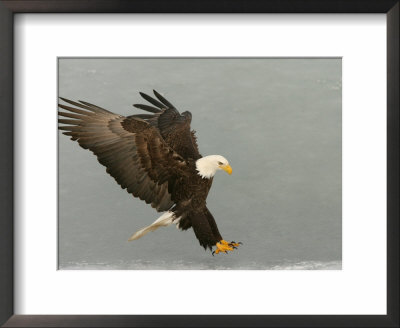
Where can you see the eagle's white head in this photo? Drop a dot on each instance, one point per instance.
(207, 166)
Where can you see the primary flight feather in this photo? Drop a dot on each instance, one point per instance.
(155, 157)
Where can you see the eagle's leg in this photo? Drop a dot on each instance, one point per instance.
(224, 246)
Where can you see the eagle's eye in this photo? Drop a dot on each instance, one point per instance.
(220, 163)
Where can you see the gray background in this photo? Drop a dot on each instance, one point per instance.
(277, 121)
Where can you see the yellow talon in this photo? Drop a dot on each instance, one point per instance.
(224, 246)
(232, 243)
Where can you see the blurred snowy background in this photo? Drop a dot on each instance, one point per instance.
(277, 121)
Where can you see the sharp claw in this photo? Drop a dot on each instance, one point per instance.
(224, 247)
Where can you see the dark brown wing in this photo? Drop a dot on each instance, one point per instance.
(173, 126)
(133, 151)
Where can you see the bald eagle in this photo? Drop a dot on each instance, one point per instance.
(154, 157)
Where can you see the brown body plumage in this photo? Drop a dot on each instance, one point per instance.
(153, 156)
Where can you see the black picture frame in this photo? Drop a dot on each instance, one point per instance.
(10, 7)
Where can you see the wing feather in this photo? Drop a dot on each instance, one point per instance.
(163, 100)
(147, 108)
(173, 126)
(152, 100)
(133, 151)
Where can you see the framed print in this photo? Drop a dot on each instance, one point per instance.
(304, 108)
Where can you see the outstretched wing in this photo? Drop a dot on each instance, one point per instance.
(133, 151)
(173, 126)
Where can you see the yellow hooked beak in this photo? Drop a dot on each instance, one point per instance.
(227, 168)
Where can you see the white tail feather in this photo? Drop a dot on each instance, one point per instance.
(163, 221)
